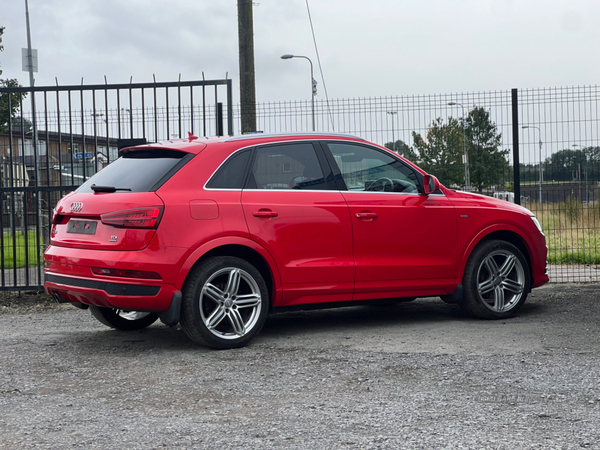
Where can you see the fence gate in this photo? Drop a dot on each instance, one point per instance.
(54, 138)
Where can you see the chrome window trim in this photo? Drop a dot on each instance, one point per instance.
(370, 145)
(393, 193)
(326, 190)
(441, 194)
(266, 143)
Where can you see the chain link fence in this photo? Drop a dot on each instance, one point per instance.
(548, 140)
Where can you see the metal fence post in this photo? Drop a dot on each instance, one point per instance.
(515, 133)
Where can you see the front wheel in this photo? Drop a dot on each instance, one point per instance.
(496, 280)
(225, 303)
(123, 320)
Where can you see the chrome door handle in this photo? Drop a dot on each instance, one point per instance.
(366, 215)
(265, 214)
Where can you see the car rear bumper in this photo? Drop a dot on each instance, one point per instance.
(68, 275)
(136, 297)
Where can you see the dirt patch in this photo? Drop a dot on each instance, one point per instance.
(29, 303)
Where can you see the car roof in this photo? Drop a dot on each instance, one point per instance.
(195, 144)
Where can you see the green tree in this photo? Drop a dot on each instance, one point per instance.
(568, 164)
(402, 149)
(441, 153)
(488, 163)
(19, 124)
(592, 164)
(15, 98)
(562, 164)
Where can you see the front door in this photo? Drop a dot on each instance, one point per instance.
(404, 241)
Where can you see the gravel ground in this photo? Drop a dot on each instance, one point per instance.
(29, 303)
(417, 375)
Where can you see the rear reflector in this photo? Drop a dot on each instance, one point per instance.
(134, 218)
(125, 273)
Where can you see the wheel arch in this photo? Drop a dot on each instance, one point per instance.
(502, 234)
(240, 248)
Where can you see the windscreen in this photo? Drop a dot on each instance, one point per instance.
(138, 171)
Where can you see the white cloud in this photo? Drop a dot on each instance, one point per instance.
(377, 48)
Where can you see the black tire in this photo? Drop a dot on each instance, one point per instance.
(496, 280)
(213, 312)
(123, 320)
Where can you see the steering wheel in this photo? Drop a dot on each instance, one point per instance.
(404, 186)
(383, 181)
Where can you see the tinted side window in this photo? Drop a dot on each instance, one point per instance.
(368, 169)
(293, 166)
(139, 170)
(232, 174)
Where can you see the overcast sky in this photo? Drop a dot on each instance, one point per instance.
(367, 48)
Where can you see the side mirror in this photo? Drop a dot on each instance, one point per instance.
(430, 184)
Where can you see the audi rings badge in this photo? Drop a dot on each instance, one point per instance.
(76, 207)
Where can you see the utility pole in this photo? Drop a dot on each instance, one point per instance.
(247, 81)
(42, 239)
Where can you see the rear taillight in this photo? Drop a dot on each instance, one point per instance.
(56, 218)
(134, 218)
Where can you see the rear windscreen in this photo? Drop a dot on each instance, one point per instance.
(139, 171)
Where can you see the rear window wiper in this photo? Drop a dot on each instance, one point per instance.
(107, 188)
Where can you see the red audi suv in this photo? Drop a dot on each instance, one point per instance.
(217, 233)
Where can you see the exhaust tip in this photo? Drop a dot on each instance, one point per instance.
(56, 296)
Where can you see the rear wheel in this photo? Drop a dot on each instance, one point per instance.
(496, 280)
(225, 303)
(123, 320)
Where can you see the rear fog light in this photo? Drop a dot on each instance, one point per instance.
(126, 273)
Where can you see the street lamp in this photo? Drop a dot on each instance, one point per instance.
(96, 116)
(313, 84)
(123, 125)
(392, 113)
(541, 176)
(467, 181)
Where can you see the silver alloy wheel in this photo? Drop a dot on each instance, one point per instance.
(230, 303)
(131, 315)
(500, 281)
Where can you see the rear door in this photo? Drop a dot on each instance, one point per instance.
(118, 208)
(294, 210)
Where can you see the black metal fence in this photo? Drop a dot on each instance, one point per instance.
(62, 135)
(550, 138)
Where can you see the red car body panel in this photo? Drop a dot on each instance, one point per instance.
(319, 246)
(480, 216)
(77, 264)
(194, 257)
(310, 240)
(403, 247)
